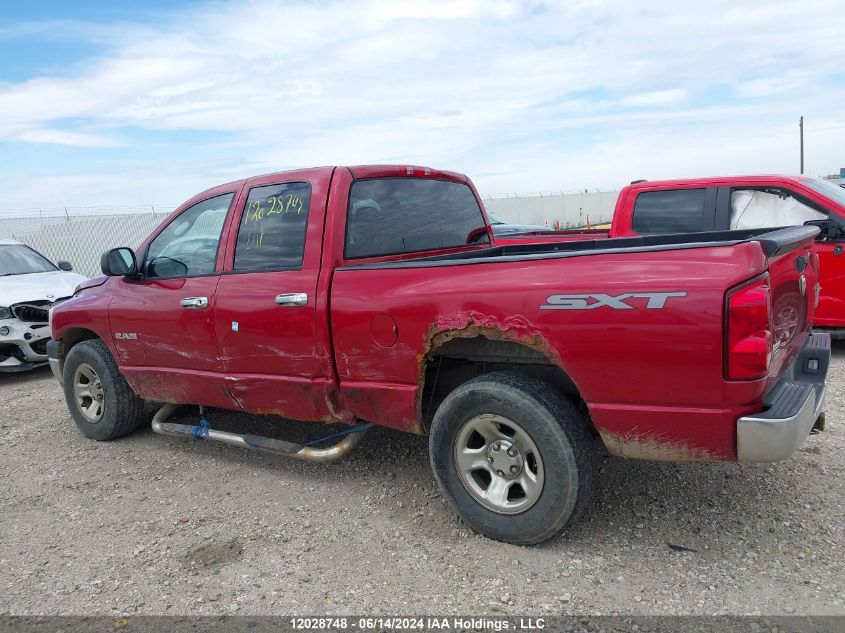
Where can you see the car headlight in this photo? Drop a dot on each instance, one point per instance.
(6, 313)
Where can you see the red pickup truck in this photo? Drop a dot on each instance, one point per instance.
(734, 202)
(372, 294)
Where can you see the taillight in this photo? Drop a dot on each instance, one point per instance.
(749, 330)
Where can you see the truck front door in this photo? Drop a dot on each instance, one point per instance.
(266, 317)
(831, 198)
(162, 321)
(762, 207)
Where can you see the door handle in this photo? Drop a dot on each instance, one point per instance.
(292, 299)
(837, 250)
(194, 302)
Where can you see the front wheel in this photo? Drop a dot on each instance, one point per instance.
(513, 456)
(100, 400)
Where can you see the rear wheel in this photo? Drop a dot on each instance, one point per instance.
(101, 402)
(513, 456)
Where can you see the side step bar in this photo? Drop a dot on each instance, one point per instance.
(257, 442)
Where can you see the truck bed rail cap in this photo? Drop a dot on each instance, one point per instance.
(784, 240)
(773, 242)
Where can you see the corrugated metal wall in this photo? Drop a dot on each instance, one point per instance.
(570, 209)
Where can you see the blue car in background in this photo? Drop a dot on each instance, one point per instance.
(501, 228)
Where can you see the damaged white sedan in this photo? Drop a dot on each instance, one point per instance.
(30, 284)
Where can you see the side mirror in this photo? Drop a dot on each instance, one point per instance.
(831, 230)
(478, 236)
(119, 262)
(63, 265)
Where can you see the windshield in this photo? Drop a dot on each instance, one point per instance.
(17, 259)
(827, 189)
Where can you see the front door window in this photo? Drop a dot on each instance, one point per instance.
(757, 209)
(187, 247)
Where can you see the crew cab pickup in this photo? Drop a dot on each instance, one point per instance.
(372, 295)
(735, 202)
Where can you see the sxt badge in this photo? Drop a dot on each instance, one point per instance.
(655, 301)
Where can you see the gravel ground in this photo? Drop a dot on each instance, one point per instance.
(157, 525)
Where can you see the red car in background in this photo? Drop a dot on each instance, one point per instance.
(735, 202)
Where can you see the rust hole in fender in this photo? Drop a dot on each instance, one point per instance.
(515, 330)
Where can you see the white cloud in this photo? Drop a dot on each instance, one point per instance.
(548, 95)
(767, 86)
(656, 98)
(62, 137)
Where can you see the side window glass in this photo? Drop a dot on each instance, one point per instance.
(670, 211)
(756, 209)
(272, 231)
(187, 247)
(389, 216)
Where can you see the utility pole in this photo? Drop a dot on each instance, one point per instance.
(801, 127)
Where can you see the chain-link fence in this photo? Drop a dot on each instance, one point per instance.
(80, 235)
(556, 209)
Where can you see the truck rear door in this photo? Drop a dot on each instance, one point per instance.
(265, 317)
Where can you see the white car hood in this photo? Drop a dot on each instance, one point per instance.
(37, 287)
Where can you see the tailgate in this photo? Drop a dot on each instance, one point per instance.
(793, 278)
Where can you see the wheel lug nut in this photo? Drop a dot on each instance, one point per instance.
(497, 446)
(514, 469)
(500, 473)
(490, 459)
(511, 452)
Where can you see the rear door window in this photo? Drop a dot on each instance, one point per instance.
(272, 230)
(388, 216)
(670, 211)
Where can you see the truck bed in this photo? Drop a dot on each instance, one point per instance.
(772, 241)
(635, 324)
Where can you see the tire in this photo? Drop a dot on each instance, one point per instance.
(555, 464)
(111, 409)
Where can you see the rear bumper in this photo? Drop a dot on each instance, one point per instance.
(792, 407)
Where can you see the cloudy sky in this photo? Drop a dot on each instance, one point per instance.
(151, 101)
